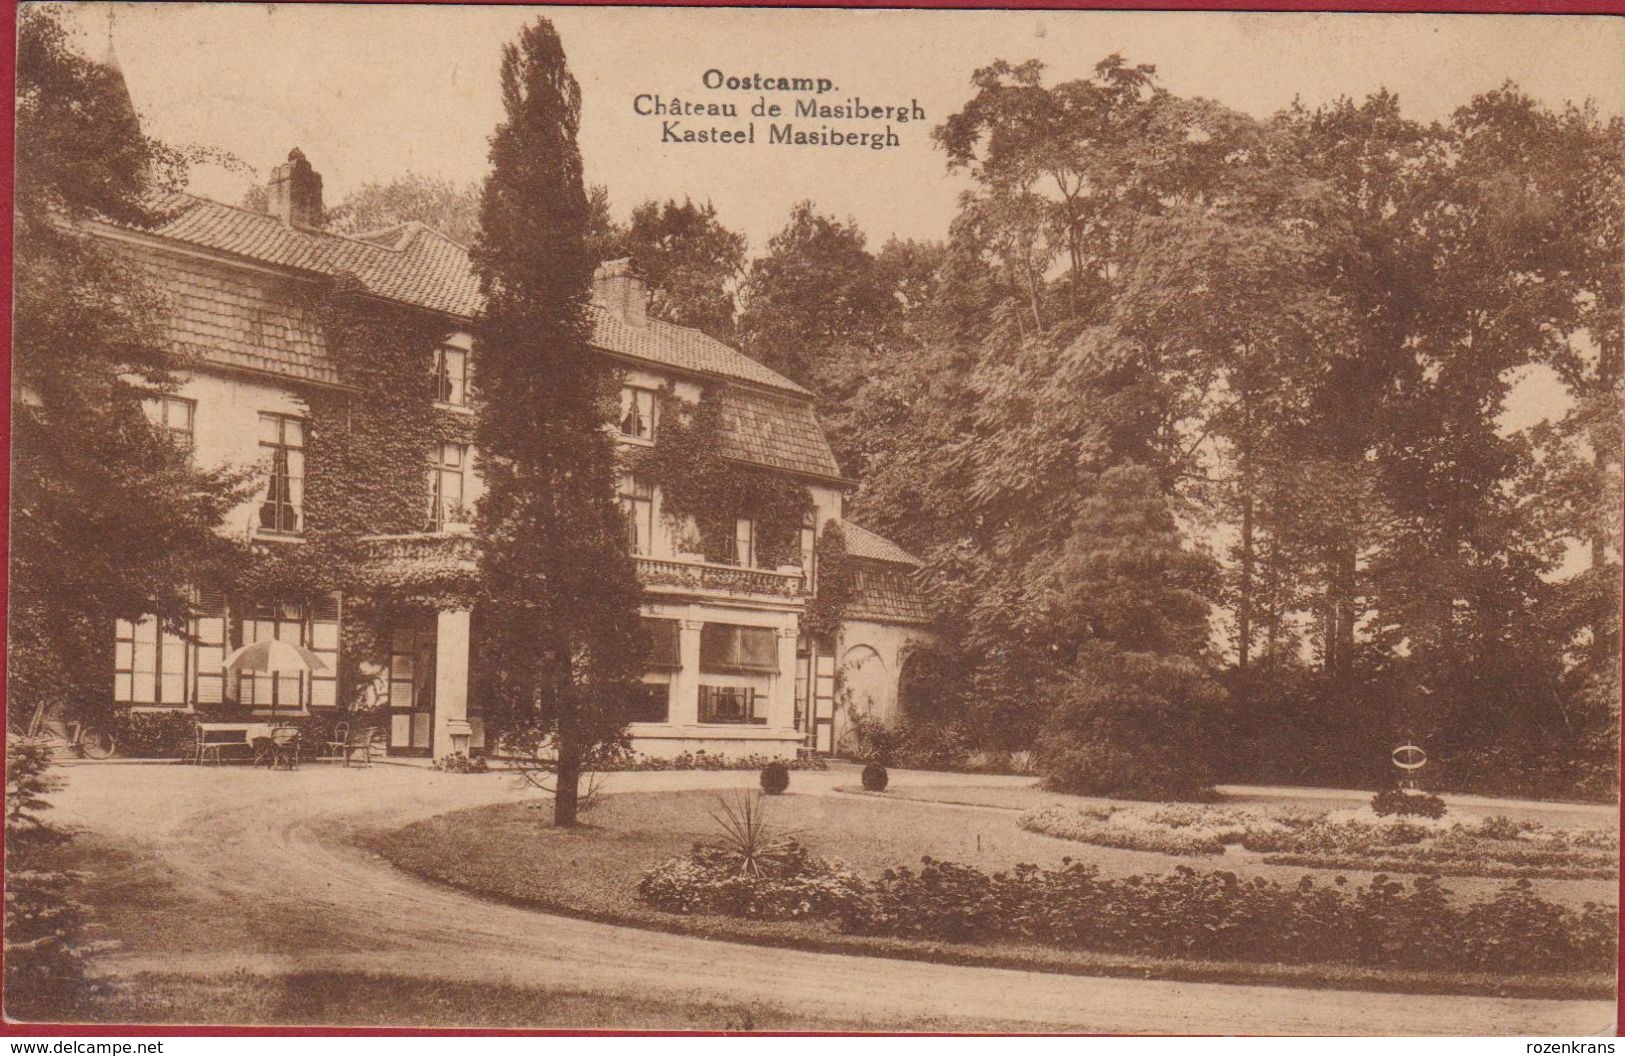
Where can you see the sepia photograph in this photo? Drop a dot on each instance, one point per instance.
(771, 520)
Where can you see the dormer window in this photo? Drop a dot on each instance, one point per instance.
(451, 376)
(637, 413)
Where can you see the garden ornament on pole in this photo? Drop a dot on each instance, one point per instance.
(1409, 758)
(274, 657)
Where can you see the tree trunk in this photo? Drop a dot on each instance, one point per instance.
(567, 785)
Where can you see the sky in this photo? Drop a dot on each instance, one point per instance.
(371, 91)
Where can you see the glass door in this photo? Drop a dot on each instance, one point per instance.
(411, 691)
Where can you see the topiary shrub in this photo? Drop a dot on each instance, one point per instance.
(1401, 802)
(875, 778)
(775, 778)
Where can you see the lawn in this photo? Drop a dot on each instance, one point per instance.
(341, 999)
(510, 852)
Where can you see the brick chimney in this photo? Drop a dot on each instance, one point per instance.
(296, 193)
(617, 286)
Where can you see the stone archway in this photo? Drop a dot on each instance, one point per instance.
(866, 692)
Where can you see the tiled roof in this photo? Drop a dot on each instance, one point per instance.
(416, 265)
(886, 593)
(681, 347)
(861, 542)
(224, 315)
(421, 268)
(773, 431)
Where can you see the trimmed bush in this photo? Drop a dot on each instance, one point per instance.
(154, 734)
(775, 778)
(1401, 802)
(875, 778)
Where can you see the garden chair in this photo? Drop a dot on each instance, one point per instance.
(361, 743)
(285, 747)
(333, 748)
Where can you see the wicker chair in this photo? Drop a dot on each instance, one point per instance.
(362, 742)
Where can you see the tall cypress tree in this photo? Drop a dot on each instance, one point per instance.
(561, 614)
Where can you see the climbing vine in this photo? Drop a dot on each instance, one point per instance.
(366, 450)
(697, 482)
(835, 584)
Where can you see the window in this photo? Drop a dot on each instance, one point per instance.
(637, 413)
(730, 704)
(638, 507)
(150, 664)
(726, 648)
(651, 699)
(662, 655)
(451, 376)
(316, 627)
(153, 666)
(741, 549)
(282, 440)
(174, 415)
(809, 546)
(448, 464)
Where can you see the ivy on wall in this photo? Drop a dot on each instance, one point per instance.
(366, 458)
(827, 606)
(697, 482)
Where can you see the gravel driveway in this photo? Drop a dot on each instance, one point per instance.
(270, 880)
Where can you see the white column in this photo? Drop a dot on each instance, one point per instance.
(685, 681)
(782, 708)
(451, 726)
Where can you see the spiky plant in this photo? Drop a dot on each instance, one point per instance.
(745, 840)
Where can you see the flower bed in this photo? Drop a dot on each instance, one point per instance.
(1186, 913)
(1495, 847)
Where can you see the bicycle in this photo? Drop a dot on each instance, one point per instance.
(73, 735)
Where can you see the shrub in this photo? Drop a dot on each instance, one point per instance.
(1402, 802)
(1501, 827)
(621, 759)
(45, 950)
(775, 778)
(1191, 914)
(154, 734)
(875, 778)
(707, 880)
(461, 763)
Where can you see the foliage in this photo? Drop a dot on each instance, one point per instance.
(1403, 802)
(1069, 824)
(1192, 914)
(618, 757)
(110, 518)
(744, 843)
(45, 947)
(814, 301)
(875, 777)
(154, 734)
(462, 763)
(834, 584)
(690, 261)
(563, 641)
(708, 881)
(775, 778)
(698, 483)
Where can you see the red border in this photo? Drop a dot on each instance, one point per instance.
(8, 58)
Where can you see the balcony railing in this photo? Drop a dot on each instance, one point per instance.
(722, 579)
(447, 550)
